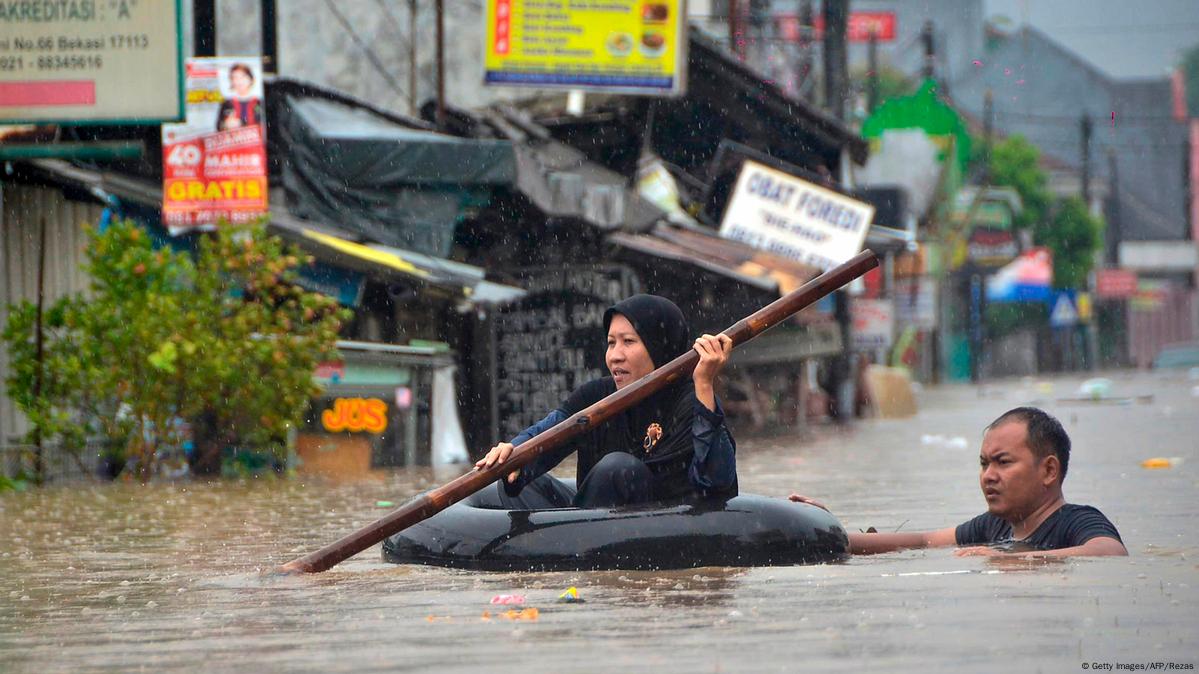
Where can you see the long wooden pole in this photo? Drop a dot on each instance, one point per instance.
(433, 502)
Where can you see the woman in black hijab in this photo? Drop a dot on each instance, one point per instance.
(670, 447)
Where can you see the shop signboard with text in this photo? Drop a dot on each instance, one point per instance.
(624, 46)
(793, 218)
(91, 62)
(214, 163)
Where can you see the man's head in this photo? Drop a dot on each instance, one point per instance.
(1023, 461)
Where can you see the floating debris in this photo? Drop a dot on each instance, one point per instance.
(530, 614)
(570, 596)
(1161, 462)
(384, 504)
(508, 599)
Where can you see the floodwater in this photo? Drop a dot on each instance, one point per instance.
(124, 578)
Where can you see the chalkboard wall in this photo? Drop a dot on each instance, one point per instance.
(552, 341)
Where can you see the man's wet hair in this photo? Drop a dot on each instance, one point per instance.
(1045, 433)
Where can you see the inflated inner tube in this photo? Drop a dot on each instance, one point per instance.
(746, 530)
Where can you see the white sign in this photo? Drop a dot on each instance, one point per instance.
(792, 218)
(873, 324)
(116, 61)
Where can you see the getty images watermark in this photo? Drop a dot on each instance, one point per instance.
(1132, 666)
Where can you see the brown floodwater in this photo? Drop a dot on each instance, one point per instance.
(169, 577)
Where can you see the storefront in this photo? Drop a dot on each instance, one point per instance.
(382, 406)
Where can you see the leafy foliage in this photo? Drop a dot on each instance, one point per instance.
(1064, 226)
(1014, 164)
(225, 342)
(1073, 235)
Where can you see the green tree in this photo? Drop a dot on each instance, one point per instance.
(1014, 164)
(225, 341)
(1064, 226)
(1074, 235)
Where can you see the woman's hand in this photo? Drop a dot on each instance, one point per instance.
(713, 354)
(498, 454)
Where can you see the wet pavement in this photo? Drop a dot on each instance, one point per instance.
(124, 578)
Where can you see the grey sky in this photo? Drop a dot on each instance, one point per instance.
(1124, 38)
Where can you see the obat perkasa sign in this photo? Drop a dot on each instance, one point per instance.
(793, 218)
(623, 46)
(90, 61)
(214, 164)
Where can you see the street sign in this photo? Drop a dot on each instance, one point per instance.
(1063, 314)
(621, 46)
(793, 218)
(90, 62)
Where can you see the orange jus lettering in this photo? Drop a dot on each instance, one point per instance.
(355, 415)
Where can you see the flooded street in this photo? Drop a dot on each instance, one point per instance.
(125, 578)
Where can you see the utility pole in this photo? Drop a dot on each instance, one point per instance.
(735, 42)
(872, 72)
(988, 131)
(39, 457)
(1084, 126)
(1112, 249)
(806, 34)
(204, 28)
(441, 64)
(930, 50)
(412, 102)
(270, 38)
(836, 20)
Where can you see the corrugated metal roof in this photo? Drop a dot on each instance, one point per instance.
(731, 259)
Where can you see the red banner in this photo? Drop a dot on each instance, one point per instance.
(861, 24)
(1115, 283)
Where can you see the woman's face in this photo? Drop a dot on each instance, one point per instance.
(241, 82)
(627, 358)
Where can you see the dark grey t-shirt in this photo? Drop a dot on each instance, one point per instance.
(1070, 526)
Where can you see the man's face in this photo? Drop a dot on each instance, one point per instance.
(1014, 481)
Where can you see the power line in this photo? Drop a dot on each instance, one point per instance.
(370, 54)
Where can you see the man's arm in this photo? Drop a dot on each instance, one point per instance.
(872, 544)
(1100, 546)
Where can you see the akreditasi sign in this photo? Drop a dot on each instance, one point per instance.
(90, 62)
(214, 164)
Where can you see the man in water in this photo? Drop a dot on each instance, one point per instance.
(1024, 457)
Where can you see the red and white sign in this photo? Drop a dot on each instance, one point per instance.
(861, 24)
(214, 164)
(873, 324)
(1115, 283)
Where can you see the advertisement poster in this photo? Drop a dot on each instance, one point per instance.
(793, 218)
(88, 62)
(214, 164)
(625, 46)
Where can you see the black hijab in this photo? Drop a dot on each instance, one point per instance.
(663, 329)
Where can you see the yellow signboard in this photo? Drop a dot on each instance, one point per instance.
(625, 46)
